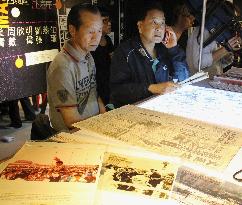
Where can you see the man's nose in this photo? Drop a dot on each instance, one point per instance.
(96, 36)
(159, 27)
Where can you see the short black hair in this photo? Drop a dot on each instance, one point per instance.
(151, 5)
(74, 14)
(103, 10)
(173, 10)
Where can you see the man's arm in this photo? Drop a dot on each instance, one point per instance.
(61, 91)
(70, 116)
(162, 88)
(177, 56)
(192, 51)
(235, 44)
(210, 53)
(101, 105)
(219, 53)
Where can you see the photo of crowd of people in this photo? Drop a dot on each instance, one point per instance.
(57, 172)
(133, 175)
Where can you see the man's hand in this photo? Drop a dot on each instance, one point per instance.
(102, 108)
(235, 43)
(170, 39)
(162, 88)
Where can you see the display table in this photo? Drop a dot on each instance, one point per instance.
(162, 151)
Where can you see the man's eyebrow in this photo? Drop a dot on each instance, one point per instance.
(163, 19)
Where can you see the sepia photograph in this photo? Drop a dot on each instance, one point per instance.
(137, 176)
(193, 187)
(59, 172)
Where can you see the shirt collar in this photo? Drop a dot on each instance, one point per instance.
(74, 53)
(143, 50)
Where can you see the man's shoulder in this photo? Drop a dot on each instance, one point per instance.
(62, 59)
(126, 46)
(60, 62)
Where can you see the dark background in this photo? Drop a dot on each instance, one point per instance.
(17, 83)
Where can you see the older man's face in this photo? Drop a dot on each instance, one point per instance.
(89, 34)
(152, 28)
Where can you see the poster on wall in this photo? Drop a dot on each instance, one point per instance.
(28, 42)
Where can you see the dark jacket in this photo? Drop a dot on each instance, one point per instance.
(131, 71)
(102, 60)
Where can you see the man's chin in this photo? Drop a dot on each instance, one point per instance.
(158, 40)
(92, 48)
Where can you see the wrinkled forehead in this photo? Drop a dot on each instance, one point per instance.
(155, 14)
(87, 17)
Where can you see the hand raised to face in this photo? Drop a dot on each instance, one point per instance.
(170, 39)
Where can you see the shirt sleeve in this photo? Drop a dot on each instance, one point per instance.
(193, 50)
(61, 86)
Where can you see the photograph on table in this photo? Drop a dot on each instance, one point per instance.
(194, 187)
(59, 164)
(123, 176)
(51, 173)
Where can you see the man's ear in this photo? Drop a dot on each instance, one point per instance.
(139, 24)
(72, 30)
